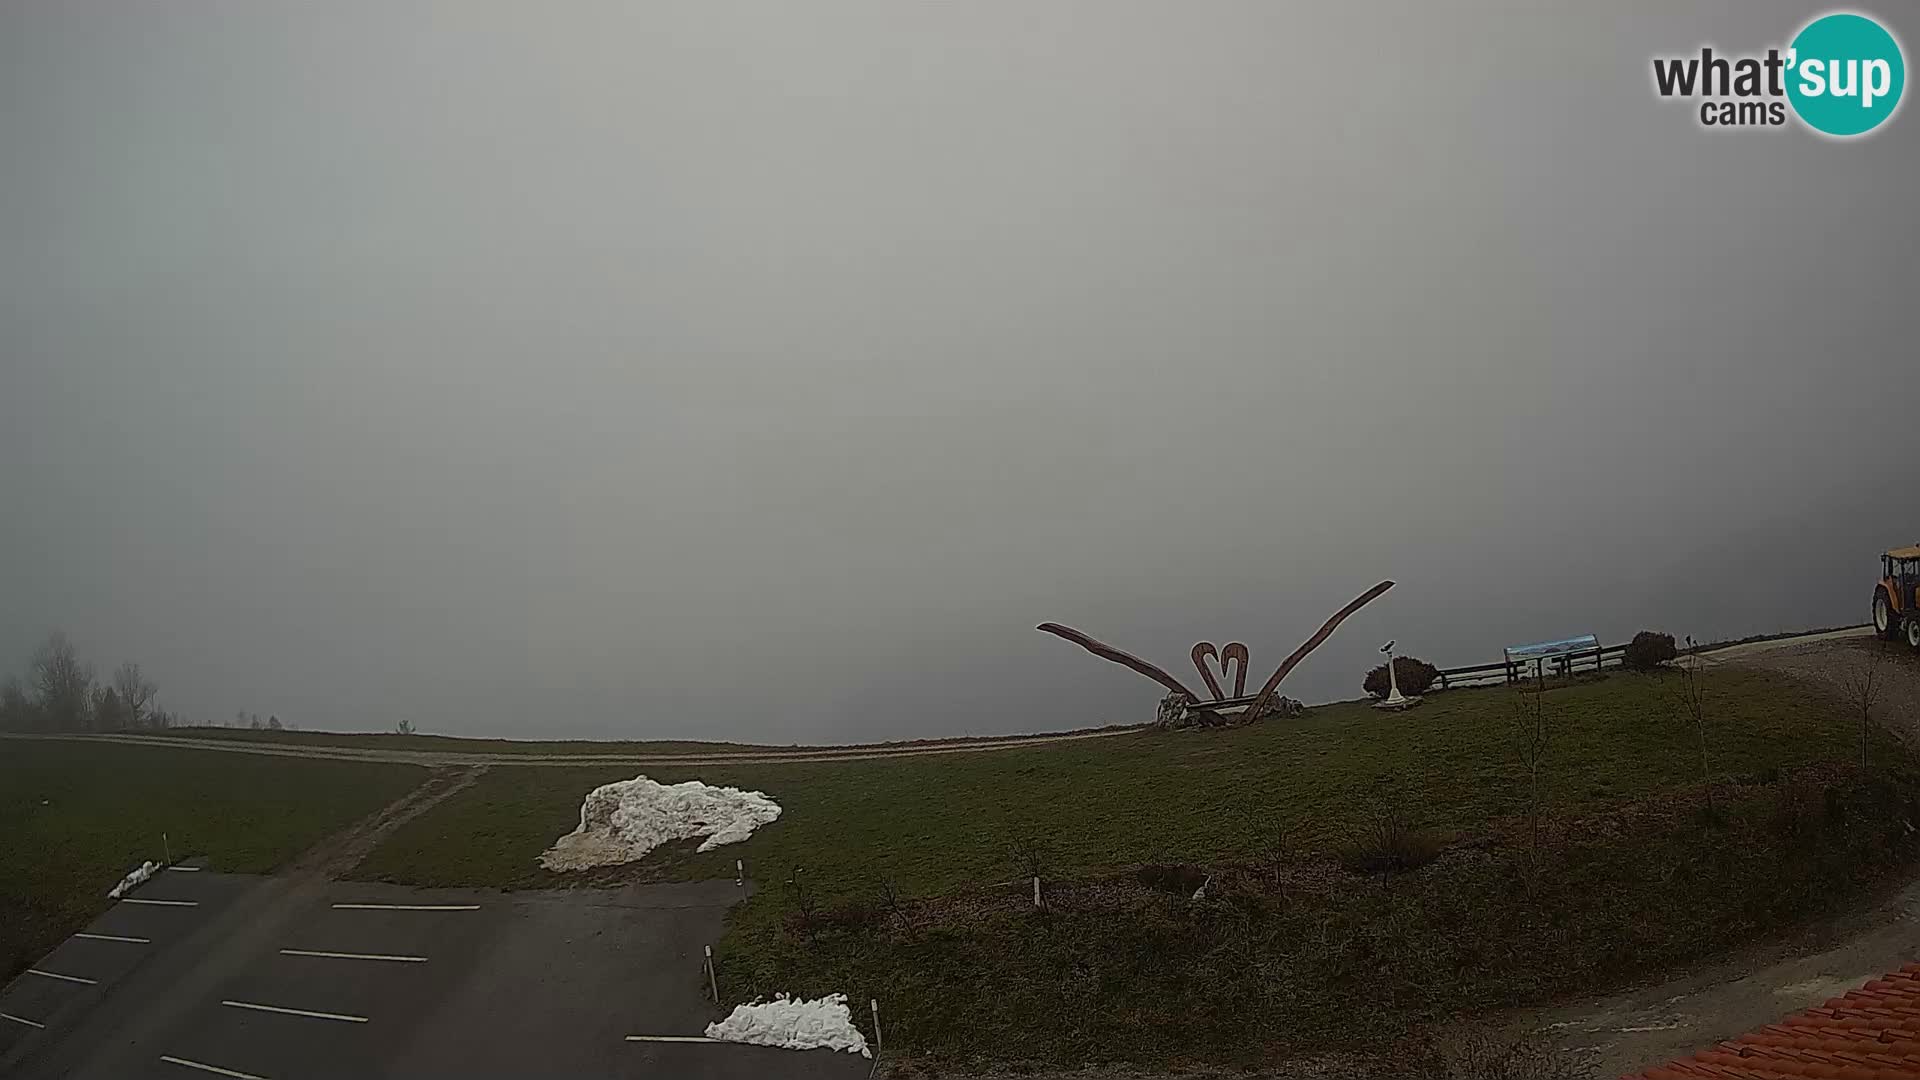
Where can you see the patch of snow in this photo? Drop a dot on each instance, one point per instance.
(622, 821)
(826, 1024)
(140, 873)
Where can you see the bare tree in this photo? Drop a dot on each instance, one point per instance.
(17, 711)
(1534, 735)
(1271, 839)
(1863, 682)
(891, 898)
(404, 727)
(805, 903)
(1692, 704)
(135, 692)
(1030, 855)
(273, 723)
(108, 713)
(62, 684)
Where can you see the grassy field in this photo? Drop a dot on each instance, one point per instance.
(1121, 966)
(940, 823)
(76, 817)
(457, 745)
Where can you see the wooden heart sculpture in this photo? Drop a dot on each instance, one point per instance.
(1234, 651)
(1234, 654)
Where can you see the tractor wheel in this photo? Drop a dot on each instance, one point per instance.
(1913, 633)
(1884, 622)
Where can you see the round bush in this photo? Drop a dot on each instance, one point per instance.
(1414, 676)
(1648, 650)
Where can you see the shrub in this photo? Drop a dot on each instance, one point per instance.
(1648, 650)
(1485, 1055)
(1180, 879)
(1389, 844)
(854, 916)
(1414, 676)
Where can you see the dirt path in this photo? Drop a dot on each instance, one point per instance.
(341, 852)
(448, 759)
(1628, 1032)
(1649, 1026)
(1837, 660)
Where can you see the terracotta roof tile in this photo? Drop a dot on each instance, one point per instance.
(1872, 1033)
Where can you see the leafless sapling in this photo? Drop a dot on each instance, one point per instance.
(1692, 704)
(1863, 681)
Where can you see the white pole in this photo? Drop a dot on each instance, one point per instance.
(166, 848)
(875, 1004)
(1036, 890)
(712, 982)
(739, 872)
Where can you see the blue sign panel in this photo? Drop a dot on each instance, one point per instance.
(1583, 643)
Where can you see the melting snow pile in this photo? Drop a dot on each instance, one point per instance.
(621, 822)
(140, 873)
(797, 1025)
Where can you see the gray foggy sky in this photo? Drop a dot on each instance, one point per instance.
(767, 371)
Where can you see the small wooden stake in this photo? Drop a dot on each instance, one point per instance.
(1036, 890)
(712, 982)
(739, 872)
(874, 1003)
(166, 848)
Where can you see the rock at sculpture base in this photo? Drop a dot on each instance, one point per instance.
(1173, 712)
(1176, 712)
(1283, 708)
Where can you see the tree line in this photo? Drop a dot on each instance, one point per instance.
(61, 694)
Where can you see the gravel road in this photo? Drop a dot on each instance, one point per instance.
(1839, 661)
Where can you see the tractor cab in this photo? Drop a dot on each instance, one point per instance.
(1896, 600)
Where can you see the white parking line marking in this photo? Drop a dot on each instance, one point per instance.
(185, 869)
(115, 937)
(353, 955)
(22, 1020)
(671, 1038)
(215, 1069)
(159, 903)
(296, 1012)
(406, 908)
(64, 978)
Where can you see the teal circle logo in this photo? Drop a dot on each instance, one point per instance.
(1845, 74)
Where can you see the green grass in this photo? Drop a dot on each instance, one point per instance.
(1289, 957)
(943, 822)
(75, 817)
(1311, 960)
(453, 744)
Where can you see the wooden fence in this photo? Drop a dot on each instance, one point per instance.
(1502, 671)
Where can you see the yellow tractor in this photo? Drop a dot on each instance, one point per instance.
(1896, 600)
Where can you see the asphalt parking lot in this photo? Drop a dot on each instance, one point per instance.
(204, 974)
(83, 971)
